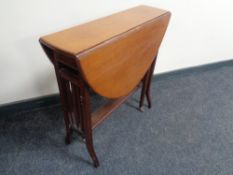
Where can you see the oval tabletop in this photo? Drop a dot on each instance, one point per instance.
(113, 52)
(116, 67)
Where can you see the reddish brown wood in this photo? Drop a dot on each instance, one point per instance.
(146, 83)
(102, 113)
(103, 46)
(77, 114)
(86, 113)
(62, 85)
(109, 59)
(143, 92)
(81, 106)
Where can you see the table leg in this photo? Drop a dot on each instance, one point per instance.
(144, 89)
(80, 99)
(86, 113)
(146, 83)
(63, 86)
(148, 93)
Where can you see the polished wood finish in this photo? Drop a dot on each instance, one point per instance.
(112, 56)
(102, 30)
(146, 86)
(102, 46)
(126, 65)
(102, 113)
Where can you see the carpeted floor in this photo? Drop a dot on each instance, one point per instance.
(189, 131)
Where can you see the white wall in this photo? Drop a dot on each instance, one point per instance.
(200, 32)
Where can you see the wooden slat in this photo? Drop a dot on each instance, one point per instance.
(103, 112)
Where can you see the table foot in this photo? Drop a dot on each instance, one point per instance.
(96, 163)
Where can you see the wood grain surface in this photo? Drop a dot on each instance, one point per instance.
(115, 68)
(82, 37)
(114, 52)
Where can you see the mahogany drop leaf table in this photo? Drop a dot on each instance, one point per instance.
(112, 56)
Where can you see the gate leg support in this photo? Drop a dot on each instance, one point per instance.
(148, 93)
(146, 87)
(143, 92)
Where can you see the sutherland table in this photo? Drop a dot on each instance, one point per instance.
(112, 56)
